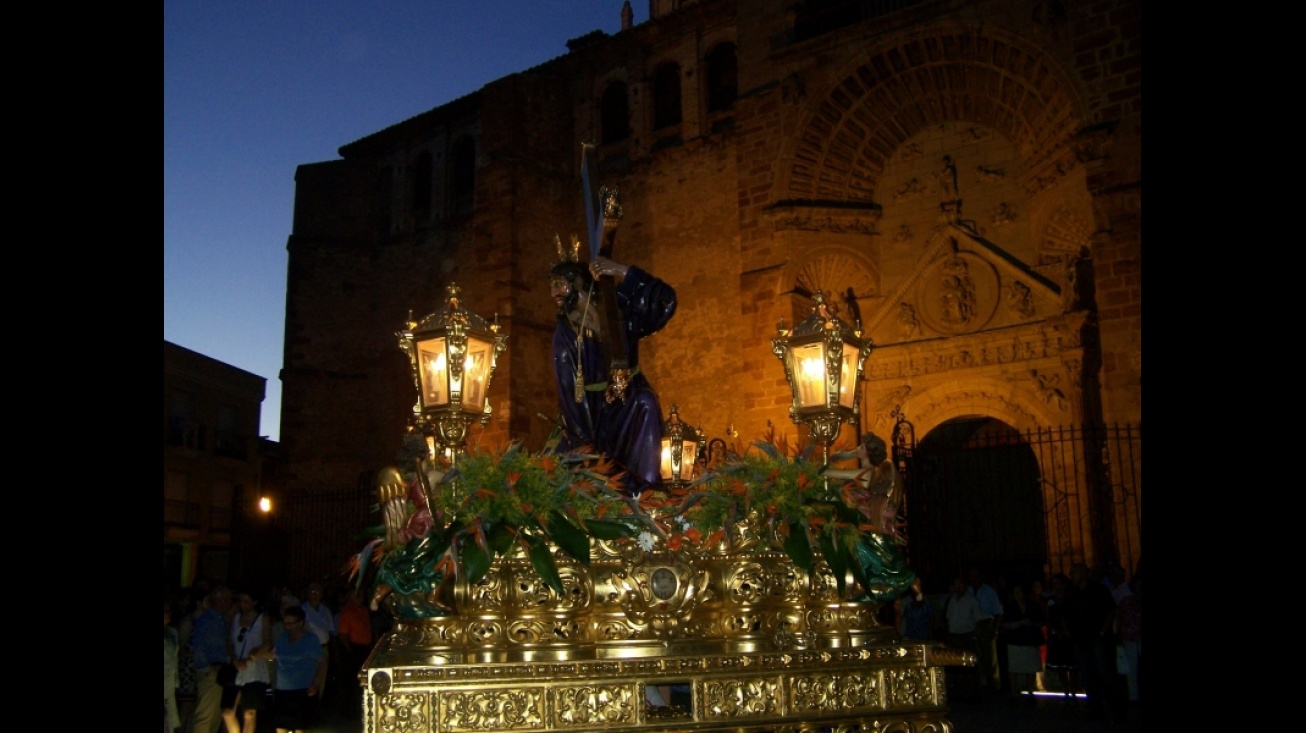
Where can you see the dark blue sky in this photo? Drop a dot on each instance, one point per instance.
(252, 89)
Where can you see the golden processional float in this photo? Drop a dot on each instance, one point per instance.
(530, 593)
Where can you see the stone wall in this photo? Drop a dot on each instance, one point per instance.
(965, 176)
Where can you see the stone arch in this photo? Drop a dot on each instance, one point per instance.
(929, 407)
(946, 73)
(961, 471)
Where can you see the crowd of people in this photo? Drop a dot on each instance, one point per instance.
(231, 657)
(1079, 635)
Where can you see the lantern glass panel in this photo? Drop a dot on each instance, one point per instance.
(809, 374)
(687, 455)
(434, 372)
(476, 370)
(848, 377)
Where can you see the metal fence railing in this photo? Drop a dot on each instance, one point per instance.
(1024, 504)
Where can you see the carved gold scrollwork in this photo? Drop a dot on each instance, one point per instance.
(741, 698)
(493, 709)
(663, 592)
(403, 713)
(594, 705)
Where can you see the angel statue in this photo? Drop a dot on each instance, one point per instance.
(407, 515)
(875, 488)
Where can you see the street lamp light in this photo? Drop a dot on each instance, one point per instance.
(823, 358)
(452, 353)
(679, 451)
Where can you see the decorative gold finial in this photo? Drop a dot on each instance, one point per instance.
(563, 254)
(610, 196)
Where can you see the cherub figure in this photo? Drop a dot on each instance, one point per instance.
(875, 487)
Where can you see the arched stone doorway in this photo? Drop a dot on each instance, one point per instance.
(973, 498)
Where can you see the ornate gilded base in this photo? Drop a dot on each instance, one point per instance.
(881, 688)
(740, 638)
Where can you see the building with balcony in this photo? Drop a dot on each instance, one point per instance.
(212, 461)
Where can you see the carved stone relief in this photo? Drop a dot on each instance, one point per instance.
(1003, 213)
(807, 223)
(958, 294)
(1043, 180)
(1048, 387)
(887, 403)
(909, 190)
(1020, 301)
(860, 220)
(972, 135)
(909, 326)
(911, 151)
(999, 405)
(1031, 343)
(1075, 368)
(947, 180)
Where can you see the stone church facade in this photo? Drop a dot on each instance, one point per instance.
(964, 178)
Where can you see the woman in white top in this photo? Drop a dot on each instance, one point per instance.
(251, 630)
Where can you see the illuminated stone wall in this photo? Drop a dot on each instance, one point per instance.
(950, 165)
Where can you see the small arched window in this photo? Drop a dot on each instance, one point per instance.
(462, 176)
(614, 113)
(722, 78)
(666, 96)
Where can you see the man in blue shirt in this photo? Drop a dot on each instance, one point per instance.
(986, 631)
(208, 644)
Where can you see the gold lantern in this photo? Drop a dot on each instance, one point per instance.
(452, 353)
(823, 358)
(679, 451)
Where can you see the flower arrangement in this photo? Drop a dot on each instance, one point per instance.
(498, 500)
(809, 513)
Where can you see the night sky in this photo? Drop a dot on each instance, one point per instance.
(253, 89)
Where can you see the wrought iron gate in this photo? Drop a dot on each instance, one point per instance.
(1023, 504)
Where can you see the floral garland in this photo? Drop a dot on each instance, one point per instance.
(497, 498)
